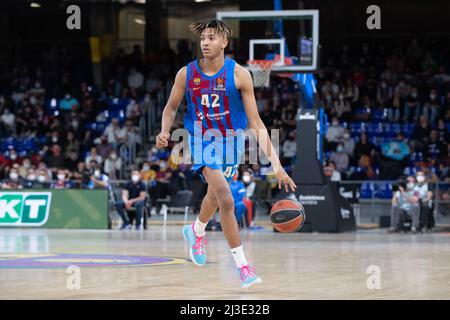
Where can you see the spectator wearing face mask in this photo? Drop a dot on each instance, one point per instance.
(412, 107)
(431, 107)
(334, 133)
(23, 169)
(133, 195)
(405, 202)
(14, 182)
(13, 158)
(61, 180)
(112, 165)
(94, 156)
(340, 158)
(348, 143)
(425, 201)
(97, 180)
(68, 103)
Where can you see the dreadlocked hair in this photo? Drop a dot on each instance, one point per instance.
(220, 26)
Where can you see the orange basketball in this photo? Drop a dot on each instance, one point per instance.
(287, 215)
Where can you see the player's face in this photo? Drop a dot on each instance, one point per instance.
(212, 43)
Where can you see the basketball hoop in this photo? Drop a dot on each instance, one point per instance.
(261, 70)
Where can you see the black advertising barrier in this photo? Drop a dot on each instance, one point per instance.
(325, 209)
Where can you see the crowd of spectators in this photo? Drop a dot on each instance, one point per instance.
(388, 111)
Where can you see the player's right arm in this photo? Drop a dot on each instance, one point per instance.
(171, 108)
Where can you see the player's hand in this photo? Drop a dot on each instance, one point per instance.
(283, 177)
(162, 140)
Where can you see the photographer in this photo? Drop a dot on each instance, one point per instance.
(405, 202)
(97, 180)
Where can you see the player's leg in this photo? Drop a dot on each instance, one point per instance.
(220, 187)
(194, 234)
(207, 210)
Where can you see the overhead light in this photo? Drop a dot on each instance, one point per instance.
(139, 21)
(202, 0)
(35, 5)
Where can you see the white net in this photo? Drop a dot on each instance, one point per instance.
(260, 70)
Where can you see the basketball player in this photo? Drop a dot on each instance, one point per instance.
(220, 96)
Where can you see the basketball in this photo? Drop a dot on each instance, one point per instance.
(287, 216)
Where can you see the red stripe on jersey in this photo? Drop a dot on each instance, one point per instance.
(226, 103)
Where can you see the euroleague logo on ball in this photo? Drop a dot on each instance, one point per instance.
(287, 215)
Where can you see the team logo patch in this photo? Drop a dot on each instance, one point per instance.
(219, 83)
(197, 81)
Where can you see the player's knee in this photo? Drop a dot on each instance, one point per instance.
(226, 202)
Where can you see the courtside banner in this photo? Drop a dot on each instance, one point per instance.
(67, 209)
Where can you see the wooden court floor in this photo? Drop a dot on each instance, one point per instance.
(293, 266)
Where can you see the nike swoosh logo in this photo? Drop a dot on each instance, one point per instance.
(196, 88)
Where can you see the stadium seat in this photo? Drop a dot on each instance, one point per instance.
(384, 191)
(366, 191)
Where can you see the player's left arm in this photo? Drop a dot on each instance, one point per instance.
(244, 83)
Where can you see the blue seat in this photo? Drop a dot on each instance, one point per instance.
(366, 191)
(384, 191)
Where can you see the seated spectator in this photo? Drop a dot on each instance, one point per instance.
(330, 171)
(71, 144)
(56, 159)
(132, 135)
(443, 134)
(412, 106)
(334, 133)
(425, 201)
(348, 142)
(94, 156)
(71, 162)
(97, 180)
(420, 134)
(13, 158)
(405, 202)
(431, 107)
(8, 122)
(68, 103)
(434, 148)
(61, 180)
(14, 182)
(394, 157)
(114, 133)
(340, 158)
(133, 111)
(364, 170)
(364, 147)
(112, 165)
(104, 148)
(133, 195)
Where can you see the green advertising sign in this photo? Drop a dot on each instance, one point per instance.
(24, 208)
(68, 209)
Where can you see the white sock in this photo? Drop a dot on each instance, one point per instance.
(239, 256)
(199, 228)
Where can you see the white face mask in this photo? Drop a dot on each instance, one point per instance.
(61, 177)
(346, 135)
(26, 165)
(410, 185)
(420, 179)
(163, 166)
(145, 168)
(246, 178)
(13, 156)
(135, 178)
(97, 173)
(54, 139)
(41, 178)
(114, 156)
(13, 175)
(340, 149)
(32, 177)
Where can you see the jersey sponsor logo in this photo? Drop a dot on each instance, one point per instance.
(197, 81)
(200, 116)
(196, 88)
